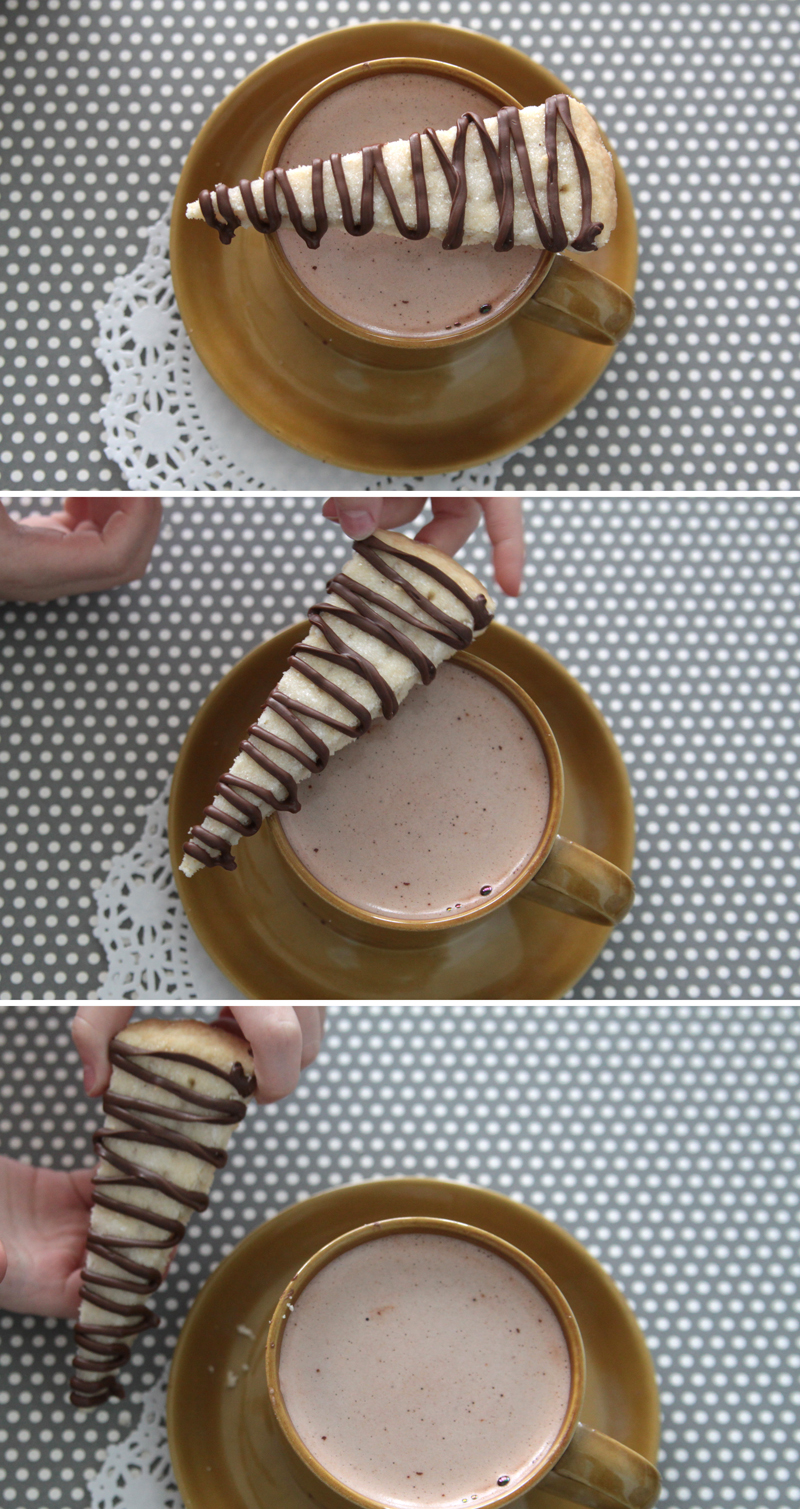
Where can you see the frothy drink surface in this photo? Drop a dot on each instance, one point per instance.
(384, 282)
(420, 1369)
(422, 814)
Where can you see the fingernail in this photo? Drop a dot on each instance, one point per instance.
(357, 522)
(88, 1079)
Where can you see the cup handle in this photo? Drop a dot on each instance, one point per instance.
(602, 1473)
(573, 879)
(573, 298)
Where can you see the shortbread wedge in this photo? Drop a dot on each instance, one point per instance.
(177, 1090)
(396, 612)
(540, 177)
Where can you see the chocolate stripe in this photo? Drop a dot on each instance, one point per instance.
(100, 1345)
(363, 601)
(373, 167)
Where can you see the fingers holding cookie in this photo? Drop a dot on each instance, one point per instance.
(283, 1041)
(93, 1027)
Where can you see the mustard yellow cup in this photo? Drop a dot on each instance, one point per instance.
(559, 292)
(582, 1465)
(559, 873)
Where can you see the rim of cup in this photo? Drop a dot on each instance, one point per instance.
(374, 1231)
(301, 290)
(499, 898)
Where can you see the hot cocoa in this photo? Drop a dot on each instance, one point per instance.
(432, 814)
(422, 1369)
(386, 283)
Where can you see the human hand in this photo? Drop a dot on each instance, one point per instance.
(454, 520)
(283, 1040)
(44, 1219)
(90, 545)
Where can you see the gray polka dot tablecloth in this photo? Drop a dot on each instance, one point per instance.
(103, 99)
(677, 614)
(663, 1137)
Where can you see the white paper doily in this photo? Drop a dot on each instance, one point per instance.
(153, 954)
(136, 1473)
(170, 428)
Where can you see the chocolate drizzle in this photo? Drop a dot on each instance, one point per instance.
(361, 612)
(106, 1345)
(478, 606)
(498, 161)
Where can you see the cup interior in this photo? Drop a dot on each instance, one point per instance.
(288, 267)
(501, 893)
(376, 1231)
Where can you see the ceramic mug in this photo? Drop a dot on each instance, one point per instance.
(559, 292)
(581, 1464)
(559, 874)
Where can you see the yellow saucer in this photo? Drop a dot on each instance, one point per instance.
(486, 402)
(222, 1438)
(271, 946)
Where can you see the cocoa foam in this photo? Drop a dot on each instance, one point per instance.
(421, 1369)
(390, 285)
(431, 814)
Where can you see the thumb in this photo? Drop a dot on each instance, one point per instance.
(358, 518)
(92, 1030)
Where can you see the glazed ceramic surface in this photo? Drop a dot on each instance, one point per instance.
(222, 1435)
(486, 402)
(269, 944)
